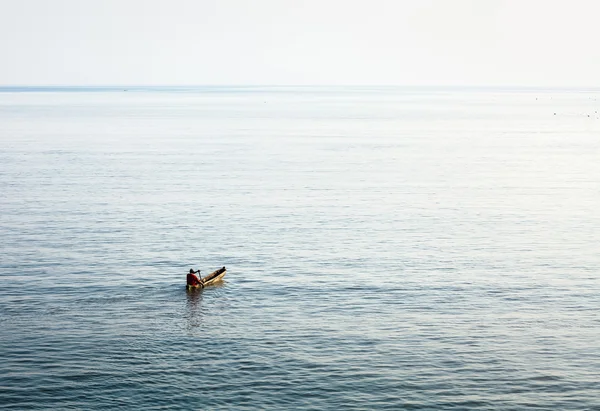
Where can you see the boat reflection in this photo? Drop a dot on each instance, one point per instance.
(193, 312)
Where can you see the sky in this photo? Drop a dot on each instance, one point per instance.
(535, 43)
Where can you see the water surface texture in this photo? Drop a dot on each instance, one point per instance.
(387, 248)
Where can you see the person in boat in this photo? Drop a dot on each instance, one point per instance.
(194, 280)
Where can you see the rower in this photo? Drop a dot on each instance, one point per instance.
(194, 280)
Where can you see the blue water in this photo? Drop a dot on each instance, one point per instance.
(387, 248)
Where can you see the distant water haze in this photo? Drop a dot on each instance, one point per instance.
(387, 248)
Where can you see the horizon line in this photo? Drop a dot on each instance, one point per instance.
(32, 87)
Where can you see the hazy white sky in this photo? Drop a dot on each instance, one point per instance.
(397, 42)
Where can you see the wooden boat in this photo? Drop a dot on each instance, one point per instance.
(210, 279)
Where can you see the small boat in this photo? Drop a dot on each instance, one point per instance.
(210, 279)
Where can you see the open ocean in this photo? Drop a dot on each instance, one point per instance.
(387, 248)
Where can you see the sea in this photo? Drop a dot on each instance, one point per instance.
(387, 248)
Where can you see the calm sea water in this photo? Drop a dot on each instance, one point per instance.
(387, 248)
